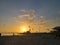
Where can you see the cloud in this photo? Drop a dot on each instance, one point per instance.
(27, 11)
(41, 16)
(22, 10)
(30, 18)
(24, 15)
(30, 14)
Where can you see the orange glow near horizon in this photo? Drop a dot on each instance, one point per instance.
(24, 28)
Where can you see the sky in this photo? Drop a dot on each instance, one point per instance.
(40, 15)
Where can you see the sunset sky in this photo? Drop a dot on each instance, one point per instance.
(40, 15)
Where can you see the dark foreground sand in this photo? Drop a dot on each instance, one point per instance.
(41, 39)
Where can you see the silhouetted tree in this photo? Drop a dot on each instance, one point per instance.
(57, 30)
(0, 34)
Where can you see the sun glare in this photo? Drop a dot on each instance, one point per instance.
(24, 29)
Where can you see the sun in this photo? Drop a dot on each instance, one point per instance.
(24, 29)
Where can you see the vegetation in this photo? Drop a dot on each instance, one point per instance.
(56, 31)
